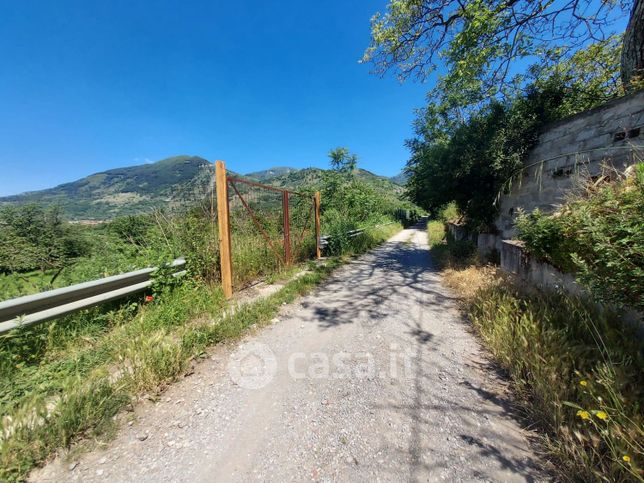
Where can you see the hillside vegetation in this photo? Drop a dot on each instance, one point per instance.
(172, 185)
(61, 373)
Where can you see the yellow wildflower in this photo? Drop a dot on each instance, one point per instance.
(601, 415)
(583, 414)
(626, 458)
(583, 383)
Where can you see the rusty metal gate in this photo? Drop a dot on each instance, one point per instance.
(263, 225)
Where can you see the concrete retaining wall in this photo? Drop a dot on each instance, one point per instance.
(488, 246)
(460, 232)
(514, 259)
(572, 148)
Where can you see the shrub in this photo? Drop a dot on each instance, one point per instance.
(133, 229)
(449, 213)
(544, 238)
(32, 237)
(599, 236)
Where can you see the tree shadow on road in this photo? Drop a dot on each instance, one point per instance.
(373, 286)
(399, 280)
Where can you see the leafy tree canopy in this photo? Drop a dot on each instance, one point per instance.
(479, 42)
(342, 160)
(32, 237)
(469, 161)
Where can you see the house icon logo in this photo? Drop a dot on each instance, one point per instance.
(252, 366)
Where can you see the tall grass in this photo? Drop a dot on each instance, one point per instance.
(447, 252)
(343, 240)
(576, 370)
(81, 380)
(65, 380)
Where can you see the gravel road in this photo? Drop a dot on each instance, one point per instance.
(373, 377)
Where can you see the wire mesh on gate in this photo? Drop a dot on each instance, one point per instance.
(270, 227)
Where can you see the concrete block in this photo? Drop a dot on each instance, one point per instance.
(571, 150)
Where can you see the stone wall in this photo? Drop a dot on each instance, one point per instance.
(611, 134)
(514, 259)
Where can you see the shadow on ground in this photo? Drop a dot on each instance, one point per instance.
(399, 277)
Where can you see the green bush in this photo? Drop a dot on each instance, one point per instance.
(32, 237)
(544, 238)
(133, 229)
(449, 213)
(469, 156)
(599, 236)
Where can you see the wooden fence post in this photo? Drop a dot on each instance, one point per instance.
(287, 229)
(221, 185)
(316, 204)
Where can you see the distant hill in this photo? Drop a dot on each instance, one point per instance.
(171, 184)
(400, 179)
(268, 174)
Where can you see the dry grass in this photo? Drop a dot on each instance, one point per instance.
(575, 370)
(467, 282)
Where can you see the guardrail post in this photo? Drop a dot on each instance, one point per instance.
(316, 205)
(287, 229)
(221, 185)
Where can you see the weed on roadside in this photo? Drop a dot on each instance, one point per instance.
(64, 381)
(575, 369)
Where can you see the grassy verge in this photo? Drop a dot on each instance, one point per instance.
(66, 380)
(447, 252)
(575, 370)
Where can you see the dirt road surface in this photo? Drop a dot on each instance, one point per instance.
(373, 377)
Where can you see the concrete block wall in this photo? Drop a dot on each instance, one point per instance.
(514, 259)
(488, 246)
(572, 148)
(460, 232)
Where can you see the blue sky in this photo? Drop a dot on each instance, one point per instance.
(87, 86)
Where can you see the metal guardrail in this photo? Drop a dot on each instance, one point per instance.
(324, 239)
(40, 307)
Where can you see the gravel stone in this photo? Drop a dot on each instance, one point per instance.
(443, 414)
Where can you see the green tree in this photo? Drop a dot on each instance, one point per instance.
(32, 237)
(344, 193)
(342, 160)
(468, 161)
(480, 42)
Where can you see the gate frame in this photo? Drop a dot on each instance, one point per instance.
(223, 219)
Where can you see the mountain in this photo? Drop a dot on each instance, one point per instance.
(268, 174)
(400, 179)
(171, 184)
